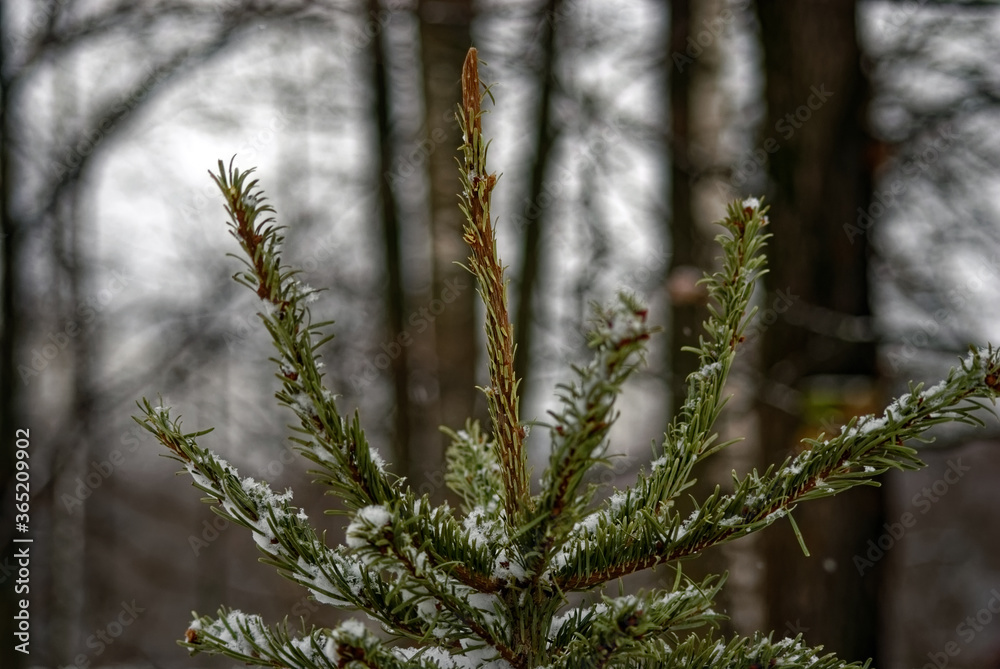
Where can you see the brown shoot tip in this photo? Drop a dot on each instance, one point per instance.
(470, 91)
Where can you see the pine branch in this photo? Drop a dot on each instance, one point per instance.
(337, 445)
(613, 628)
(383, 537)
(473, 472)
(695, 652)
(502, 394)
(628, 538)
(346, 581)
(483, 588)
(246, 638)
(348, 464)
(581, 427)
(284, 536)
(452, 567)
(690, 437)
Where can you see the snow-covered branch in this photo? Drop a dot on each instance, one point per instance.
(487, 584)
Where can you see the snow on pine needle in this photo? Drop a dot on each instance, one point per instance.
(489, 583)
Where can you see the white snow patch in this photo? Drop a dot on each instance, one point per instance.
(708, 370)
(301, 403)
(775, 515)
(353, 628)
(935, 390)
(484, 602)
(588, 525)
(377, 460)
(617, 501)
(427, 608)
(507, 568)
(481, 528)
(366, 520)
(235, 640)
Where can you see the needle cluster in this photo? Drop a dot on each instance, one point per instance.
(488, 584)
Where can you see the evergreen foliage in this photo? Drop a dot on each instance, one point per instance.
(487, 584)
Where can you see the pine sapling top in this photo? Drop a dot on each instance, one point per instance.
(487, 584)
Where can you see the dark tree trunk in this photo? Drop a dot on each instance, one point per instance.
(445, 37)
(686, 314)
(815, 135)
(534, 220)
(395, 294)
(692, 82)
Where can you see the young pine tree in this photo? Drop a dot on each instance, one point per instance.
(488, 584)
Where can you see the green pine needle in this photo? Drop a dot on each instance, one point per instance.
(489, 583)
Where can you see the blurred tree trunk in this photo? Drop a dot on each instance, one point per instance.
(815, 134)
(445, 37)
(531, 257)
(75, 530)
(395, 293)
(686, 311)
(697, 122)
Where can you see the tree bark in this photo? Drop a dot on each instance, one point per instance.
(685, 314)
(815, 136)
(531, 252)
(696, 123)
(395, 296)
(445, 37)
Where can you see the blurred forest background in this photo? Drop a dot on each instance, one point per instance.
(622, 129)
